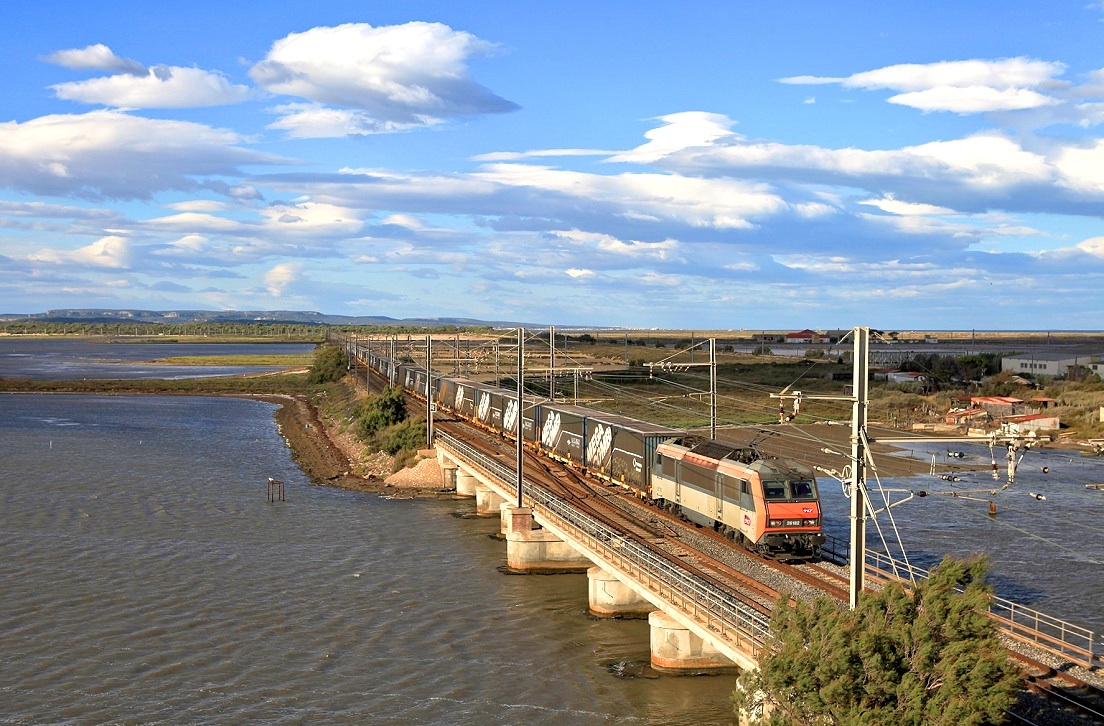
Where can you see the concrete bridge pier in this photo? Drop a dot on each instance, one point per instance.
(448, 475)
(465, 483)
(529, 548)
(677, 650)
(487, 500)
(611, 598)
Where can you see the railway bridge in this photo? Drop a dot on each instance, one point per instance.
(696, 625)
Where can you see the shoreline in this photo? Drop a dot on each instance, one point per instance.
(324, 455)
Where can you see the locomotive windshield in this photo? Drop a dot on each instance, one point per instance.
(781, 490)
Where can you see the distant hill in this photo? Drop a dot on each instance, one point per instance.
(298, 317)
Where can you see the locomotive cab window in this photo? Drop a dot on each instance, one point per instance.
(789, 490)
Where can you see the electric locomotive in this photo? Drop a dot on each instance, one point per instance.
(769, 505)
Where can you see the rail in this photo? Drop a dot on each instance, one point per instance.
(1022, 623)
(726, 615)
(719, 610)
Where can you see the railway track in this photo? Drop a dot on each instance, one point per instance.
(594, 500)
(1072, 694)
(667, 535)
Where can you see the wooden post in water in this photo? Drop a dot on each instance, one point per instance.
(275, 490)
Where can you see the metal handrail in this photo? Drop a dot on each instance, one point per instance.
(1017, 620)
(704, 597)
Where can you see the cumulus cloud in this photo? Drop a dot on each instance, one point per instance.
(111, 252)
(389, 77)
(985, 170)
(679, 131)
(315, 121)
(110, 154)
(158, 87)
(95, 57)
(964, 87)
(279, 277)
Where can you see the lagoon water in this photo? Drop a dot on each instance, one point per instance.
(1045, 553)
(76, 358)
(147, 579)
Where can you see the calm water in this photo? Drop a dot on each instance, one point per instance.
(147, 579)
(61, 359)
(1047, 554)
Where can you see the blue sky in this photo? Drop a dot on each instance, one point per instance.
(653, 164)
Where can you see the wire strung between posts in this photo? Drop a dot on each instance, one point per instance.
(888, 508)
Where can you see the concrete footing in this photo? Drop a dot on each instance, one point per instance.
(448, 476)
(611, 598)
(676, 649)
(487, 500)
(465, 483)
(532, 549)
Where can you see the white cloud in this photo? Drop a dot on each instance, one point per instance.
(679, 131)
(159, 87)
(210, 223)
(280, 276)
(110, 252)
(1082, 167)
(539, 153)
(1093, 246)
(576, 273)
(315, 121)
(312, 218)
(895, 206)
(965, 87)
(396, 76)
(717, 203)
(972, 99)
(117, 155)
(604, 243)
(1007, 73)
(200, 205)
(95, 57)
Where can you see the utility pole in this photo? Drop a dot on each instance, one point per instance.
(552, 362)
(713, 388)
(520, 416)
(858, 462)
(391, 370)
(429, 392)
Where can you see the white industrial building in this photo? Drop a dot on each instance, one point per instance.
(1052, 364)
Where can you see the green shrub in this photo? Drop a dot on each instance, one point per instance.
(330, 364)
(376, 413)
(406, 436)
(919, 656)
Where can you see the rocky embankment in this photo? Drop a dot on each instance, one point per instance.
(330, 457)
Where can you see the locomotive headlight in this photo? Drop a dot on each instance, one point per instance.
(811, 522)
(776, 523)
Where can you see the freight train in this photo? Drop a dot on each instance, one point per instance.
(769, 505)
